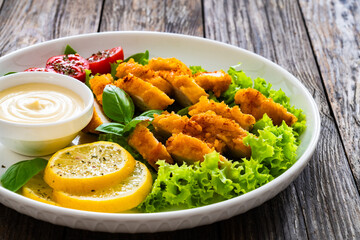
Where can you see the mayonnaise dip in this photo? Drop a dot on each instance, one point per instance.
(39, 103)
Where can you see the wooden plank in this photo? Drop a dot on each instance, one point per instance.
(275, 29)
(334, 30)
(25, 23)
(179, 16)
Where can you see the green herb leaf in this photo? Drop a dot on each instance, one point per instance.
(117, 105)
(69, 50)
(142, 58)
(88, 76)
(9, 73)
(20, 173)
(114, 128)
(184, 111)
(113, 67)
(150, 113)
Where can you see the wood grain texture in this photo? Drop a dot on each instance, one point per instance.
(179, 16)
(275, 30)
(334, 30)
(25, 23)
(323, 202)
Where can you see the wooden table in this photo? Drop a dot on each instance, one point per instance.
(318, 41)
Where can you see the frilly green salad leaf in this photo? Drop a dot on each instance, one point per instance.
(196, 69)
(274, 147)
(189, 186)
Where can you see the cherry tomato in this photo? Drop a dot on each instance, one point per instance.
(36, 69)
(100, 62)
(72, 65)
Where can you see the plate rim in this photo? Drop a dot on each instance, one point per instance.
(296, 168)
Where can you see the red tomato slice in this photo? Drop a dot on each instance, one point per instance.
(36, 69)
(100, 62)
(72, 65)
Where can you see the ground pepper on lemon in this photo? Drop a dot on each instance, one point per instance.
(88, 167)
(126, 195)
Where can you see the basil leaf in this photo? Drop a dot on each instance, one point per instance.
(69, 50)
(20, 173)
(114, 128)
(132, 124)
(9, 73)
(184, 111)
(117, 105)
(142, 58)
(151, 113)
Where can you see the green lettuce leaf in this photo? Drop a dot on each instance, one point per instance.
(196, 69)
(274, 146)
(189, 186)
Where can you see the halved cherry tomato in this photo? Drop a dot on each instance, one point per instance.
(36, 69)
(72, 65)
(100, 62)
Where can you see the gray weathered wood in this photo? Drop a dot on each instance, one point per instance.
(24, 23)
(179, 16)
(275, 30)
(334, 30)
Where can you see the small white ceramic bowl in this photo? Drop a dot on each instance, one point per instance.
(45, 138)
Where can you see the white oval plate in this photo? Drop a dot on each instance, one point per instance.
(211, 55)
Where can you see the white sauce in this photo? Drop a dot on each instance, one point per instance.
(39, 103)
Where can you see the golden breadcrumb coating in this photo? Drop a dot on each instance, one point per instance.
(169, 64)
(245, 121)
(187, 92)
(255, 103)
(98, 83)
(143, 141)
(144, 95)
(167, 124)
(217, 82)
(184, 148)
(145, 73)
(97, 119)
(224, 129)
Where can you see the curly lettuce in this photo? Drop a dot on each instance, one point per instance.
(273, 146)
(189, 186)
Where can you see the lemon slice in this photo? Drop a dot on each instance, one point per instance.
(38, 190)
(88, 167)
(122, 197)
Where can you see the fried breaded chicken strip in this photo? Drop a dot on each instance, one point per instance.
(144, 95)
(97, 119)
(98, 83)
(245, 121)
(143, 141)
(145, 73)
(167, 124)
(255, 103)
(184, 148)
(224, 129)
(186, 90)
(169, 64)
(218, 81)
(171, 123)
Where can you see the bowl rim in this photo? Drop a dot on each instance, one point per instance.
(293, 170)
(88, 105)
